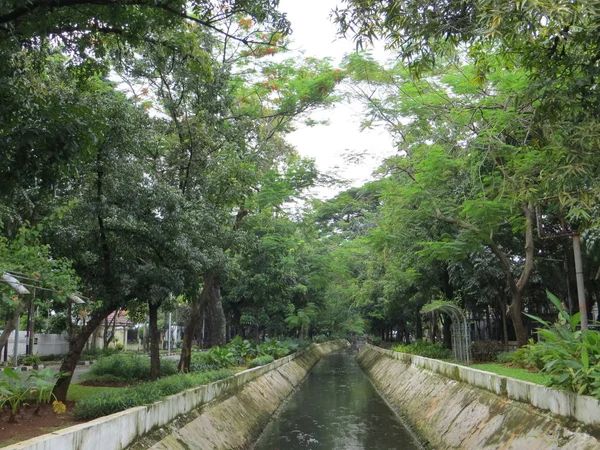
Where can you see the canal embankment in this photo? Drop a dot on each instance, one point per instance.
(456, 407)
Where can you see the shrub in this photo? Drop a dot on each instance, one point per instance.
(272, 347)
(528, 357)
(129, 367)
(241, 350)
(261, 361)
(485, 351)
(293, 344)
(426, 349)
(16, 391)
(504, 357)
(221, 357)
(31, 360)
(570, 356)
(319, 338)
(114, 401)
(374, 340)
(202, 362)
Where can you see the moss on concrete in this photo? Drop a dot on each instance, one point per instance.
(455, 415)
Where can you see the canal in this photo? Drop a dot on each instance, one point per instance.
(336, 408)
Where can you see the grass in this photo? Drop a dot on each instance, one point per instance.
(515, 372)
(78, 392)
(114, 400)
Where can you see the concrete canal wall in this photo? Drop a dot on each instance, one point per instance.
(225, 414)
(456, 407)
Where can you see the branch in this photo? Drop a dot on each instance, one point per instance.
(514, 286)
(529, 248)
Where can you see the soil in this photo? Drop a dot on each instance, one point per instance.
(30, 425)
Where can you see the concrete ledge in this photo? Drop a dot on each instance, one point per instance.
(119, 430)
(456, 407)
(582, 408)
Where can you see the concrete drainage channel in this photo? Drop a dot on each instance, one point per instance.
(456, 407)
(448, 406)
(228, 413)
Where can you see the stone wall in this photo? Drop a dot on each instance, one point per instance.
(245, 397)
(456, 407)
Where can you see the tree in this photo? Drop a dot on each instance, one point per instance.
(38, 269)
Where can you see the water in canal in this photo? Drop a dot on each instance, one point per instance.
(336, 408)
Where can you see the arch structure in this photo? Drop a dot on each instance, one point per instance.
(460, 330)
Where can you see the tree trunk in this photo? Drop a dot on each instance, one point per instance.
(76, 344)
(517, 319)
(504, 324)
(154, 341)
(217, 316)
(191, 324)
(107, 338)
(12, 324)
(418, 326)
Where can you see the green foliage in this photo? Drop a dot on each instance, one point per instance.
(128, 368)
(272, 347)
(30, 360)
(571, 356)
(113, 401)
(241, 350)
(504, 358)
(36, 388)
(528, 357)
(302, 319)
(220, 357)
(426, 349)
(261, 361)
(203, 362)
(93, 354)
(293, 344)
(486, 351)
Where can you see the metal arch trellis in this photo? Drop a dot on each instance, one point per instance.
(461, 333)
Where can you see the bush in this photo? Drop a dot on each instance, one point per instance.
(129, 367)
(30, 360)
(221, 357)
(319, 338)
(272, 347)
(241, 350)
(93, 354)
(293, 344)
(374, 340)
(504, 358)
(570, 356)
(114, 401)
(202, 362)
(261, 361)
(426, 349)
(528, 357)
(486, 351)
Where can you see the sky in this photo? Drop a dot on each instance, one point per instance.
(314, 33)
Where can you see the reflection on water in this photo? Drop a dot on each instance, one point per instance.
(336, 408)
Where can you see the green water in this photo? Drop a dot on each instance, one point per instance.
(336, 408)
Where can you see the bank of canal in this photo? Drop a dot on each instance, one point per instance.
(336, 408)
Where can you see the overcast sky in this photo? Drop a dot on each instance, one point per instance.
(315, 34)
